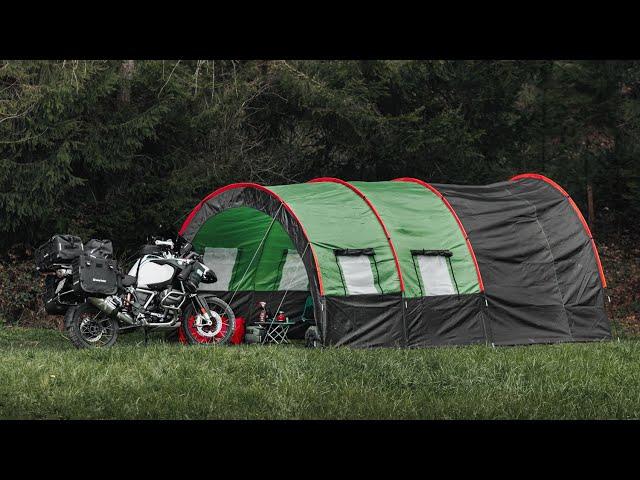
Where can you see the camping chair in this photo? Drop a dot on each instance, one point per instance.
(307, 313)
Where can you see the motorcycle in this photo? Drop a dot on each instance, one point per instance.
(159, 292)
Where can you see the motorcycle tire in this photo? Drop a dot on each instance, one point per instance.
(205, 337)
(88, 327)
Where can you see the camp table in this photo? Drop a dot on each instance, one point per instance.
(275, 331)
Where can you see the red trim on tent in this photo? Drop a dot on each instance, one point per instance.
(455, 215)
(375, 212)
(564, 193)
(262, 188)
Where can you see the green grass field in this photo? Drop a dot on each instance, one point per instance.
(43, 377)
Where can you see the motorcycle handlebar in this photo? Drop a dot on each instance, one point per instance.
(193, 256)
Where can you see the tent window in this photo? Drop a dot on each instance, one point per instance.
(357, 271)
(434, 272)
(221, 261)
(294, 275)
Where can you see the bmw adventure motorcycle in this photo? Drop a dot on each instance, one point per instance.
(160, 291)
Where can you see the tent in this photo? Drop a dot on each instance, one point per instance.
(406, 263)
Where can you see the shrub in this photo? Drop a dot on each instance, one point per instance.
(21, 292)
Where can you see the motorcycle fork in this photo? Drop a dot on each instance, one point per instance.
(200, 308)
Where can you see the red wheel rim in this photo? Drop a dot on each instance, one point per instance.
(193, 330)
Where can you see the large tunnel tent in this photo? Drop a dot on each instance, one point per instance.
(407, 263)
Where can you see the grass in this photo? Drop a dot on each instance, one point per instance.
(43, 377)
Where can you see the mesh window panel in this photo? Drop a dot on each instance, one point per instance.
(294, 275)
(435, 276)
(357, 274)
(221, 261)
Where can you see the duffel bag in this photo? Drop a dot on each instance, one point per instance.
(58, 250)
(94, 276)
(99, 248)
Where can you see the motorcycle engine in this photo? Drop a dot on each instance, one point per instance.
(170, 297)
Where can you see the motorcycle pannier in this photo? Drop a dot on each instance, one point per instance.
(94, 276)
(99, 248)
(58, 250)
(57, 296)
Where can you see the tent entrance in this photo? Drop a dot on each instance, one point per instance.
(254, 260)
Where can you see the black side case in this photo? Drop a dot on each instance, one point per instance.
(94, 276)
(58, 250)
(58, 298)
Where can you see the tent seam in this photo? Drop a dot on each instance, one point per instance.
(553, 258)
(576, 210)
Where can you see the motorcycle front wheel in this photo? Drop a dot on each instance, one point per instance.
(89, 327)
(218, 332)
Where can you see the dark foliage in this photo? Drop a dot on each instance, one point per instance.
(124, 149)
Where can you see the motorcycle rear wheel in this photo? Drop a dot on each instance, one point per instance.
(89, 327)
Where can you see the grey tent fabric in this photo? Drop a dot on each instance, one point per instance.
(539, 270)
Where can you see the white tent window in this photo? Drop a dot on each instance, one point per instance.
(357, 274)
(434, 275)
(221, 261)
(294, 275)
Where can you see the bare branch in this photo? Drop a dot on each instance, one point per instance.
(21, 140)
(301, 74)
(18, 115)
(213, 80)
(198, 65)
(168, 78)
(235, 77)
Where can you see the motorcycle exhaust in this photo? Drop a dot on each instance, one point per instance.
(110, 309)
(164, 325)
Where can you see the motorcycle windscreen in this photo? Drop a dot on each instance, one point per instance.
(151, 273)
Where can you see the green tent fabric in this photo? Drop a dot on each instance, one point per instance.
(243, 228)
(335, 217)
(417, 219)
